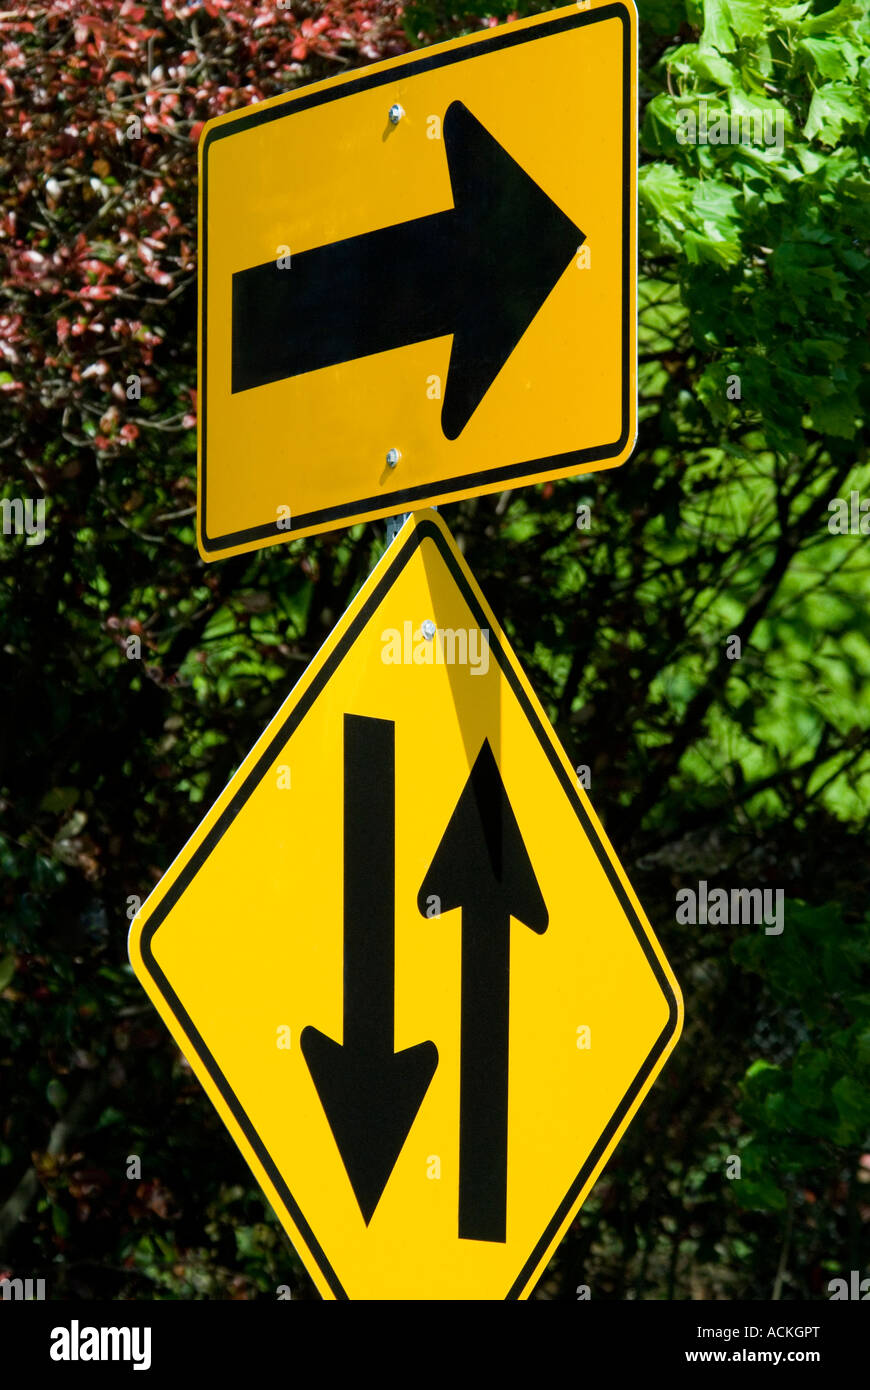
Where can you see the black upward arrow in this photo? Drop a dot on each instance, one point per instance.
(482, 866)
(480, 270)
(370, 1093)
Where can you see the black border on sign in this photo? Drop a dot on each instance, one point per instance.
(406, 499)
(424, 530)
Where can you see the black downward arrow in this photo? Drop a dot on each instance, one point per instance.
(482, 866)
(370, 1093)
(480, 270)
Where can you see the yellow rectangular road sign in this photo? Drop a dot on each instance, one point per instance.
(402, 958)
(417, 281)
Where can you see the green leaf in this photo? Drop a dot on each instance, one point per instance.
(748, 18)
(716, 69)
(852, 1100)
(246, 1242)
(763, 1072)
(808, 1079)
(833, 107)
(833, 58)
(664, 189)
(838, 18)
(761, 1194)
(717, 32)
(836, 416)
(659, 130)
(715, 236)
(787, 14)
(110, 1116)
(711, 389)
(707, 63)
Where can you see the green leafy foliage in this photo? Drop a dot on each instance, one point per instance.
(801, 1112)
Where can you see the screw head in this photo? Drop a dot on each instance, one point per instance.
(428, 628)
(393, 456)
(396, 113)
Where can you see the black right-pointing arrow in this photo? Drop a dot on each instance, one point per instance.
(482, 866)
(480, 271)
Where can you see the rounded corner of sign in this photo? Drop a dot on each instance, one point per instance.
(629, 441)
(626, 9)
(134, 947)
(676, 1010)
(208, 549)
(623, 447)
(133, 932)
(672, 996)
(207, 135)
(430, 517)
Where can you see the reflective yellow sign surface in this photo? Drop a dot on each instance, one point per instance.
(402, 959)
(434, 256)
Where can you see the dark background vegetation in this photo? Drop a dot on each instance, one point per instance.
(753, 772)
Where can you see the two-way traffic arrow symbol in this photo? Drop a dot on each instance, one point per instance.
(480, 271)
(370, 1093)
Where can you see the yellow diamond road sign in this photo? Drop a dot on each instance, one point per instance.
(402, 958)
(417, 281)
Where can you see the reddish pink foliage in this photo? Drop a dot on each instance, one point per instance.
(97, 230)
